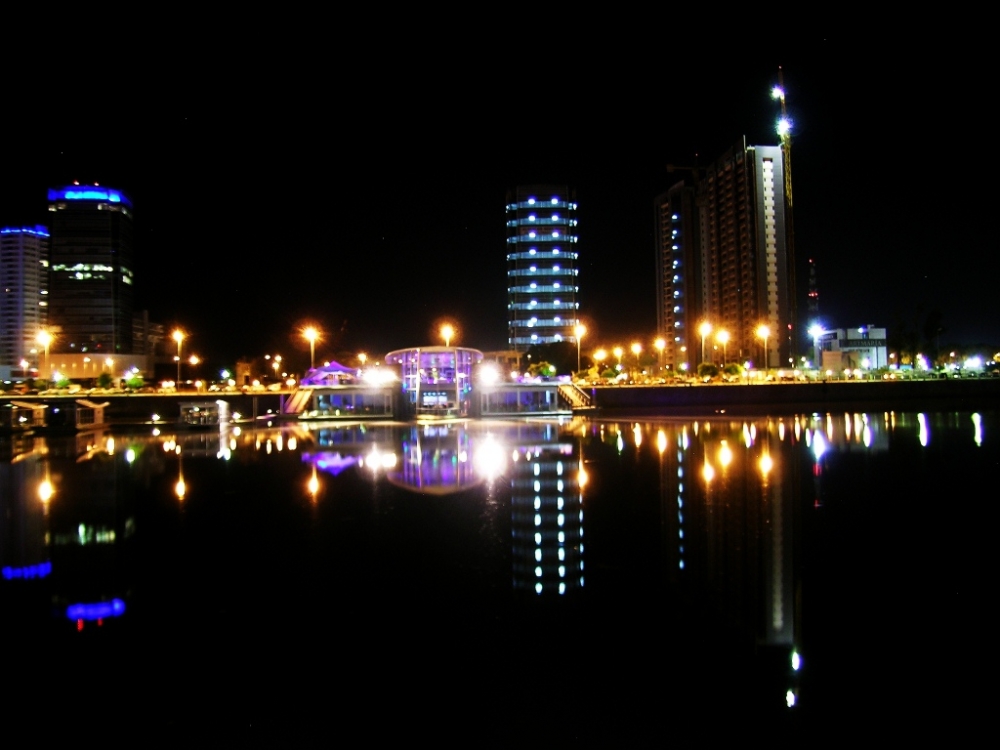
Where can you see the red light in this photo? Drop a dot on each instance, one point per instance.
(79, 625)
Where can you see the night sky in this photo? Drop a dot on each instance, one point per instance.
(373, 204)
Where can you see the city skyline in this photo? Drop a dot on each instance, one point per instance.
(376, 233)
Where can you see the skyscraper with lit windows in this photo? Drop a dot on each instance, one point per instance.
(542, 266)
(724, 261)
(91, 270)
(24, 259)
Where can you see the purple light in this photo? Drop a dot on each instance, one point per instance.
(95, 610)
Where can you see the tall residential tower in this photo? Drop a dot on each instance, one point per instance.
(724, 262)
(24, 259)
(542, 284)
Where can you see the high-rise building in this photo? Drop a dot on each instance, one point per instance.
(679, 299)
(24, 259)
(542, 285)
(90, 273)
(742, 275)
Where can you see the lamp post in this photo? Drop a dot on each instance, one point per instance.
(579, 331)
(764, 332)
(24, 369)
(311, 335)
(704, 329)
(45, 338)
(178, 336)
(660, 345)
(816, 332)
(723, 338)
(636, 350)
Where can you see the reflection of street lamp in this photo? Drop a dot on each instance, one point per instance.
(45, 338)
(447, 331)
(764, 332)
(311, 335)
(723, 338)
(579, 331)
(704, 329)
(178, 336)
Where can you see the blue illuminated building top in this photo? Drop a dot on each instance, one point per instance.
(38, 231)
(86, 193)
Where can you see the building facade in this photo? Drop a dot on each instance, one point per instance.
(725, 263)
(542, 266)
(24, 259)
(91, 271)
(679, 297)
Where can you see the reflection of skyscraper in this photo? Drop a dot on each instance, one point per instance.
(90, 300)
(24, 258)
(542, 284)
(547, 520)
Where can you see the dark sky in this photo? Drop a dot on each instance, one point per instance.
(372, 203)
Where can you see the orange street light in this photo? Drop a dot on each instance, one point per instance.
(311, 335)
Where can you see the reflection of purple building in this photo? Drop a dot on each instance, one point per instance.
(437, 380)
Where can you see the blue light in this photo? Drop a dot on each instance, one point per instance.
(38, 231)
(28, 571)
(79, 193)
(95, 610)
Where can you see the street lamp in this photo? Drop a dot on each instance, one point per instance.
(723, 338)
(579, 331)
(24, 367)
(599, 356)
(311, 335)
(660, 345)
(362, 358)
(618, 351)
(45, 338)
(704, 329)
(764, 332)
(636, 349)
(816, 331)
(178, 336)
(447, 331)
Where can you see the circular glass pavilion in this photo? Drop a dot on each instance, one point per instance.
(437, 380)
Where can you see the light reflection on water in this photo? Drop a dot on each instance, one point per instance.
(755, 559)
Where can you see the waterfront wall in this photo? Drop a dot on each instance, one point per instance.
(912, 395)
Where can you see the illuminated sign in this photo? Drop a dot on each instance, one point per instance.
(81, 193)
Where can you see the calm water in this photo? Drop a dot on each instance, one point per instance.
(502, 582)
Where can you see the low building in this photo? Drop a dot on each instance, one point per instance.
(861, 348)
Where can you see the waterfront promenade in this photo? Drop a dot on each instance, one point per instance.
(662, 400)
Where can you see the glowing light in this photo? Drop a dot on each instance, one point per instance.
(45, 491)
(95, 610)
(73, 193)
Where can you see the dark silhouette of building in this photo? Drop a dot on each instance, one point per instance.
(91, 270)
